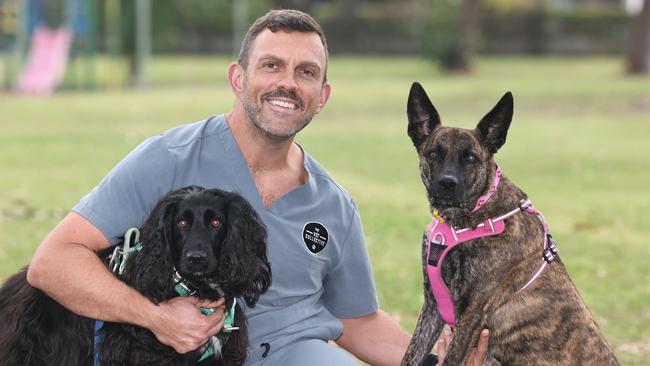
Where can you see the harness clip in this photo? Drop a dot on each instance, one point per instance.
(551, 244)
(115, 259)
(551, 249)
(525, 204)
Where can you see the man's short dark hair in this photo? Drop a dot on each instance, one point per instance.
(284, 20)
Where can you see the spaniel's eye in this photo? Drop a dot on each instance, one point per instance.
(215, 223)
(182, 224)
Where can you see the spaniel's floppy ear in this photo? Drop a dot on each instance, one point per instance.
(151, 270)
(244, 252)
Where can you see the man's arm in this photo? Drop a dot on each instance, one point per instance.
(66, 267)
(379, 340)
(376, 339)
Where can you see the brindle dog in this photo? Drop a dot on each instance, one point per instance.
(547, 323)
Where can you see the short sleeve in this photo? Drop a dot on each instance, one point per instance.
(127, 194)
(349, 286)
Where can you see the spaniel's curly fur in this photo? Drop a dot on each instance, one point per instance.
(214, 239)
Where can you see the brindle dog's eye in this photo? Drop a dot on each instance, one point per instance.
(182, 224)
(435, 154)
(215, 223)
(471, 157)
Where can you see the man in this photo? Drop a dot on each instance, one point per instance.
(322, 285)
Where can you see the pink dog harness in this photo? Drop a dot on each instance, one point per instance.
(441, 238)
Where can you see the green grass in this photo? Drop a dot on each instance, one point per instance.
(578, 145)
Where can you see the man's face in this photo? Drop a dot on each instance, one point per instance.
(282, 87)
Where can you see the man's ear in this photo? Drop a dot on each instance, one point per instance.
(493, 128)
(236, 78)
(423, 117)
(324, 96)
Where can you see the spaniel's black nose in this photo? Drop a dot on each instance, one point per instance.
(196, 257)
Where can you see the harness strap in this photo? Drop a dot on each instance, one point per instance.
(184, 288)
(120, 255)
(98, 326)
(441, 238)
(550, 247)
(117, 263)
(486, 197)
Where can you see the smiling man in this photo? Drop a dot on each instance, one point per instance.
(322, 286)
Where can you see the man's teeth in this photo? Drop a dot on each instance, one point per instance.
(283, 104)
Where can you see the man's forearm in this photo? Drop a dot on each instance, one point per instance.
(71, 273)
(376, 339)
(78, 280)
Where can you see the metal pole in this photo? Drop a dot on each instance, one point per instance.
(239, 24)
(89, 44)
(142, 41)
(22, 35)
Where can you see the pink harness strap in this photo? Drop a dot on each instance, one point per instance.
(441, 238)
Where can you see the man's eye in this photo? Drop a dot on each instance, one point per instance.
(215, 223)
(182, 224)
(270, 65)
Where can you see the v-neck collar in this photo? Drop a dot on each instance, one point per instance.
(246, 183)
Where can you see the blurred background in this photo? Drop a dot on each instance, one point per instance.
(50, 42)
(82, 82)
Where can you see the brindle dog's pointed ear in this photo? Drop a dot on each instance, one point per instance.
(423, 117)
(493, 128)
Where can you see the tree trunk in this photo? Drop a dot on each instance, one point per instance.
(469, 18)
(455, 32)
(638, 59)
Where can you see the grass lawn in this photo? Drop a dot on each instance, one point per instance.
(578, 145)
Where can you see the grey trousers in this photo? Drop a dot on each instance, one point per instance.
(310, 352)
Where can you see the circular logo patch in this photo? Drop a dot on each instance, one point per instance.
(315, 237)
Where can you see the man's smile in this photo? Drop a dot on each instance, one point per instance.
(283, 104)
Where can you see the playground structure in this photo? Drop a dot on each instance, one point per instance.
(48, 44)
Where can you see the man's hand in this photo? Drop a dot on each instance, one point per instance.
(477, 355)
(179, 323)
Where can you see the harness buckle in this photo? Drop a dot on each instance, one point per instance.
(436, 248)
(525, 204)
(548, 256)
(115, 259)
(552, 247)
(181, 287)
(438, 239)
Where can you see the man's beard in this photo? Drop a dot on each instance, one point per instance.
(253, 110)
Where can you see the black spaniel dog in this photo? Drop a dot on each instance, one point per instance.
(200, 242)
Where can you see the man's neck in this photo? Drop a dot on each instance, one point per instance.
(261, 152)
(276, 166)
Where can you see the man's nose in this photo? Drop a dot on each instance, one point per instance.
(287, 81)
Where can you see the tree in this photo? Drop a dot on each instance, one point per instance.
(638, 60)
(454, 32)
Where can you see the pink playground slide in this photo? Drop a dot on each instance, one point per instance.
(46, 62)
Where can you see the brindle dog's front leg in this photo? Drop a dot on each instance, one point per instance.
(466, 333)
(429, 323)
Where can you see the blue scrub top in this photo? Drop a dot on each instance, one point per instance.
(316, 244)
